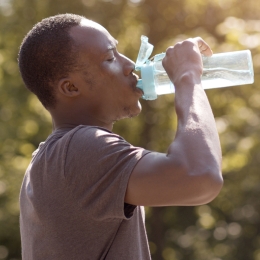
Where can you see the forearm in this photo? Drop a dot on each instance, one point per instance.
(190, 172)
(197, 138)
(196, 142)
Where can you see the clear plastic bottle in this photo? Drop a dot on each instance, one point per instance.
(219, 70)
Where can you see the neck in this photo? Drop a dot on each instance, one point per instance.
(70, 120)
(67, 124)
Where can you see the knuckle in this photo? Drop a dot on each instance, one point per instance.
(169, 50)
(187, 43)
(198, 38)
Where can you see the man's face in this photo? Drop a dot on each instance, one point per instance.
(105, 77)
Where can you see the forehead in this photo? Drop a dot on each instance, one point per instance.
(92, 37)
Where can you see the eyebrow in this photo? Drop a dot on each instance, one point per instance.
(112, 46)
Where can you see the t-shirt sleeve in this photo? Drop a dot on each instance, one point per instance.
(98, 165)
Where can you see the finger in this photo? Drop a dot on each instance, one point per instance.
(203, 46)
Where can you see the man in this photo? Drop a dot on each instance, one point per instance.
(83, 192)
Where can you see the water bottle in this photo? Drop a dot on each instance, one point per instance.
(219, 70)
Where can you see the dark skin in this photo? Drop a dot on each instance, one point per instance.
(104, 90)
(87, 99)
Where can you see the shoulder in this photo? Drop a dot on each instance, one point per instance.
(97, 141)
(93, 134)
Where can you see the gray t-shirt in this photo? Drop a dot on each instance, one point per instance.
(72, 199)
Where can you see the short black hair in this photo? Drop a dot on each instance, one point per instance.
(47, 54)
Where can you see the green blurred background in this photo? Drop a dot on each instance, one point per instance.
(227, 228)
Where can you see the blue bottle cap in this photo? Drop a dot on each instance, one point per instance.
(146, 84)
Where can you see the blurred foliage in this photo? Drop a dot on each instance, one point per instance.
(227, 228)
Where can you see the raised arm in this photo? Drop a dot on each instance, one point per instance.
(190, 173)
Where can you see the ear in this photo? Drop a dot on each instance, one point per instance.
(67, 88)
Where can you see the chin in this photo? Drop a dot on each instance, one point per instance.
(137, 111)
(133, 111)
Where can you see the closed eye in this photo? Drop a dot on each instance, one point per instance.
(111, 59)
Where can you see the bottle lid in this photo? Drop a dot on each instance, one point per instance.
(145, 52)
(146, 84)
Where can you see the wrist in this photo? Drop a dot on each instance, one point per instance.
(186, 80)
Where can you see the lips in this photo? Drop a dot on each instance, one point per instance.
(136, 76)
(138, 90)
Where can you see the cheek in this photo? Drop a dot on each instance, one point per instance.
(90, 80)
(112, 70)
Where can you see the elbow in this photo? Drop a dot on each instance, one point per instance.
(211, 186)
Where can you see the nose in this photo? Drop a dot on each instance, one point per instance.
(128, 65)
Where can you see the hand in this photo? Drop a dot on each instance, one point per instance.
(184, 59)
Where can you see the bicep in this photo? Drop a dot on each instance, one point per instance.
(162, 180)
